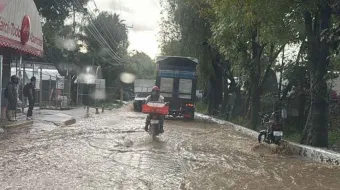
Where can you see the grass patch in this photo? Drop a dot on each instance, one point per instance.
(201, 107)
(293, 137)
(111, 106)
(241, 121)
(334, 137)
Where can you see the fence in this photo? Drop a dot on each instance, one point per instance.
(52, 90)
(89, 95)
(57, 92)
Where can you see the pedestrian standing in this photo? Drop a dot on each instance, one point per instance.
(11, 93)
(29, 92)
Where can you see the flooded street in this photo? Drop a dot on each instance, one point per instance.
(111, 151)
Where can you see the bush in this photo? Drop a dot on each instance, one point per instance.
(334, 138)
(111, 106)
(201, 107)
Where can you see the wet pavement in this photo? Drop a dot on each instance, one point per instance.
(111, 151)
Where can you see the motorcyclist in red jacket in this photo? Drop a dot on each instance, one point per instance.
(154, 97)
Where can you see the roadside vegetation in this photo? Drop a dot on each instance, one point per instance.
(271, 55)
(77, 35)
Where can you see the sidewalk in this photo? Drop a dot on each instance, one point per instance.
(57, 117)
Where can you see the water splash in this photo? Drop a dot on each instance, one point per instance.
(99, 94)
(86, 78)
(127, 77)
(66, 43)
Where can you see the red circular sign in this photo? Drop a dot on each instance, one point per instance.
(25, 30)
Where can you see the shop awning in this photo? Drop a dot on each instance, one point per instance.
(20, 26)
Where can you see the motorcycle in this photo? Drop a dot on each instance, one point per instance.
(156, 110)
(273, 132)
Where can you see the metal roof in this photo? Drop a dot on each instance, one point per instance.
(162, 58)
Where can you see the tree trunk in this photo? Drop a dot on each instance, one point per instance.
(237, 110)
(248, 105)
(255, 76)
(255, 103)
(316, 129)
(301, 111)
(211, 103)
(281, 72)
(225, 96)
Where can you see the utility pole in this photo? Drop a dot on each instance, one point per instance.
(1, 114)
(73, 59)
(41, 93)
(22, 87)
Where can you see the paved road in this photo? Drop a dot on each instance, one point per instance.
(110, 151)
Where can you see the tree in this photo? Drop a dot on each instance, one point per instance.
(141, 65)
(106, 34)
(56, 33)
(246, 31)
(251, 35)
(106, 41)
(317, 19)
(186, 33)
(55, 13)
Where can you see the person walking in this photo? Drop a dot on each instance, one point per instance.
(29, 92)
(11, 93)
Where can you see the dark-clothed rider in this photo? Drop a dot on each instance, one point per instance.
(154, 97)
(31, 98)
(12, 93)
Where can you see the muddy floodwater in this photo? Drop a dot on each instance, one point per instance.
(111, 151)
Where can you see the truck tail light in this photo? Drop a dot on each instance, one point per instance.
(189, 105)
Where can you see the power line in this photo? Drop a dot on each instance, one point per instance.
(95, 33)
(106, 26)
(102, 39)
(100, 36)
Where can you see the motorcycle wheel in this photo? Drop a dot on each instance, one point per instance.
(278, 141)
(262, 134)
(154, 131)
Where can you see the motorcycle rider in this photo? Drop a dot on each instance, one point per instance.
(154, 97)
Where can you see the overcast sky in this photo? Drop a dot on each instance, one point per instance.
(144, 16)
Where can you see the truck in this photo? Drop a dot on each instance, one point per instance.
(177, 79)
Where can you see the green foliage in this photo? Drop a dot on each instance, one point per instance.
(106, 34)
(141, 65)
(183, 33)
(293, 137)
(55, 13)
(334, 137)
(201, 107)
(111, 106)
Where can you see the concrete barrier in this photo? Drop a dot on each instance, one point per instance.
(66, 122)
(12, 124)
(59, 119)
(311, 153)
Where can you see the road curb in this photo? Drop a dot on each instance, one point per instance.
(16, 124)
(311, 153)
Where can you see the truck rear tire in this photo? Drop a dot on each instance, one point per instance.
(192, 116)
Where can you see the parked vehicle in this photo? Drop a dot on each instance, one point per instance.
(273, 132)
(143, 85)
(139, 101)
(142, 88)
(199, 95)
(156, 110)
(177, 79)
